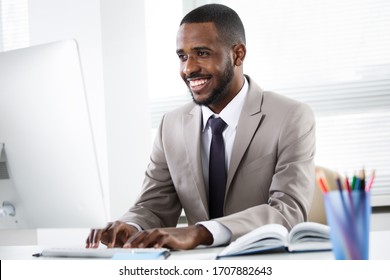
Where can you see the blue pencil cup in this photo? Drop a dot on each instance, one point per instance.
(348, 216)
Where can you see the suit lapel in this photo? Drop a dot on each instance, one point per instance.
(191, 129)
(248, 124)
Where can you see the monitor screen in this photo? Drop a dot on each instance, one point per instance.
(49, 173)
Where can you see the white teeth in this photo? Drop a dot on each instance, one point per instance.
(197, 82)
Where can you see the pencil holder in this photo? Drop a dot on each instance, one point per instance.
(348, 216)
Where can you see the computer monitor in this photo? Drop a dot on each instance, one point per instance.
(49, 171)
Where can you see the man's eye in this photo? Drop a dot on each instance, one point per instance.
(202, 53)
(182, 57)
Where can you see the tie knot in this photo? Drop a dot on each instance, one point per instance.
(217, 125)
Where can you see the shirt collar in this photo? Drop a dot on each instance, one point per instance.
(231, 113)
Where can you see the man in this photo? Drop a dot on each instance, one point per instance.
(269, 145)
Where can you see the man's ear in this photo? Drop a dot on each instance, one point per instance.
(239, 52)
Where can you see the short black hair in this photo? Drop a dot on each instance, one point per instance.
(226, 20)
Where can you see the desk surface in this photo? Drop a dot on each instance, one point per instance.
(379, 250)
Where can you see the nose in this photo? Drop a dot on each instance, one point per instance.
(190, 66)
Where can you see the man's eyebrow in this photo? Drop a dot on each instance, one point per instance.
(200, 48)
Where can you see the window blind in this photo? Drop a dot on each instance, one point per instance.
(14, 32)
(333, 55)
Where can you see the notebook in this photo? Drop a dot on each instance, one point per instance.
(108, 253)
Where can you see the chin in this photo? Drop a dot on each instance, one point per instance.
(200, 100)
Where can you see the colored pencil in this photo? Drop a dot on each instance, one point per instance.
(339, 186)
(347, 185)
(362, 176)
(370, 181)
(321, 182)
(357, 184)
(322, 185)
(353, 182)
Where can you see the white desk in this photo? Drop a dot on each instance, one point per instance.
(379, 250)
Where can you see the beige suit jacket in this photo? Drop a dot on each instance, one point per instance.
(271, 173)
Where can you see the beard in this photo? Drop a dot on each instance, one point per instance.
(222, 89)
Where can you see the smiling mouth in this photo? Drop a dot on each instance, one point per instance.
(198, 84)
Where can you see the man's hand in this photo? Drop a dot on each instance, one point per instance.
(174, 238)
(115, 234)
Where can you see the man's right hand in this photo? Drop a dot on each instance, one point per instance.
(115, 234)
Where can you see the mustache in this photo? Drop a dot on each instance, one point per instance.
(196, 76)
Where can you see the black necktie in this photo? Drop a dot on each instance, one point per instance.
(217, 169)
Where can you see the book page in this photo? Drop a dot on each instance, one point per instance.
(268, 236)
(309, 236)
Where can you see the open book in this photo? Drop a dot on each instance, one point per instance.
(308, 236)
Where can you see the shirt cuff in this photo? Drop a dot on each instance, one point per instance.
(221, 234)
(135, 225)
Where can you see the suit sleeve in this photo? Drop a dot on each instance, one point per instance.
(158, 205)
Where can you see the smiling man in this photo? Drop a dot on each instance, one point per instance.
(234, 159)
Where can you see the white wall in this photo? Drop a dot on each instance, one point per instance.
(52, 20)
(128, 121)
(112, 47)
